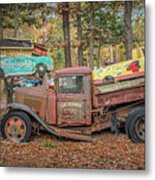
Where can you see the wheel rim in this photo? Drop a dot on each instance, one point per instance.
(15, 129)
(140, 128)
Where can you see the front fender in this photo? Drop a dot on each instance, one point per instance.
(53, 130)
(29, 111)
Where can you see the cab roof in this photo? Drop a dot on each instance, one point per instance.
(72, 70)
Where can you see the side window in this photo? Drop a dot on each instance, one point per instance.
(71, 85)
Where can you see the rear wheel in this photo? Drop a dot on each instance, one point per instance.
(16, 127)
(135, 125)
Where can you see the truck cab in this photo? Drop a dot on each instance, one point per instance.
(68, 104)
(73, 96)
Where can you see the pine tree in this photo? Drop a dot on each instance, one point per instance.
(79, 33)
(66, 30)
(128, 29)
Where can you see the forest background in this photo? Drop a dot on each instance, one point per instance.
(93, 34)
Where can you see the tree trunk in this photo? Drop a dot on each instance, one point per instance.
(79, 33)
(116, 53)
(127, 29)
(1, 24)
(111, 55)
(99, 50)
(91, 42)
(44, 27)
(1, 32)
(66, 30)
(16, 22)
(102, 58)
(100, 37)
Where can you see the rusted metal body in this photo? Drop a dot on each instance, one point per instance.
(80, 107)
(118, 93)
(36, 98)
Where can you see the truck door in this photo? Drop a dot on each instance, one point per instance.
(74, 100)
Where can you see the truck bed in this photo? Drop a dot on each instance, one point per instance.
(119, 92)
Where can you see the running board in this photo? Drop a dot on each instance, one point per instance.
(71, 135)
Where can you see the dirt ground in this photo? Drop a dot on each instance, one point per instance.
(108, 152)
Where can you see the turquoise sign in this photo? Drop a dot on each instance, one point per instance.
(23, 65)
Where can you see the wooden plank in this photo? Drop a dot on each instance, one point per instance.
(17, 48)
(15, 51)
(120, 85)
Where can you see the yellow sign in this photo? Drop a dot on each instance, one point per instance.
(120, 69)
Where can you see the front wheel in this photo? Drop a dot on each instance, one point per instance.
(16, 127)
(135, 125)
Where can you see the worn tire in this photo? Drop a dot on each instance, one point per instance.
(137, 115)
(25, 120)
(108, 80)
(41, 70)
(1, 73)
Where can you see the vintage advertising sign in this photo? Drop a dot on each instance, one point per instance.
(23, 65)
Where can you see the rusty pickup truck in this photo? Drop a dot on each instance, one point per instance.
(76, 107)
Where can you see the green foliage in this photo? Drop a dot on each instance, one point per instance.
(108, 25)
(138, 26)
(58, 59)
(6, 15)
